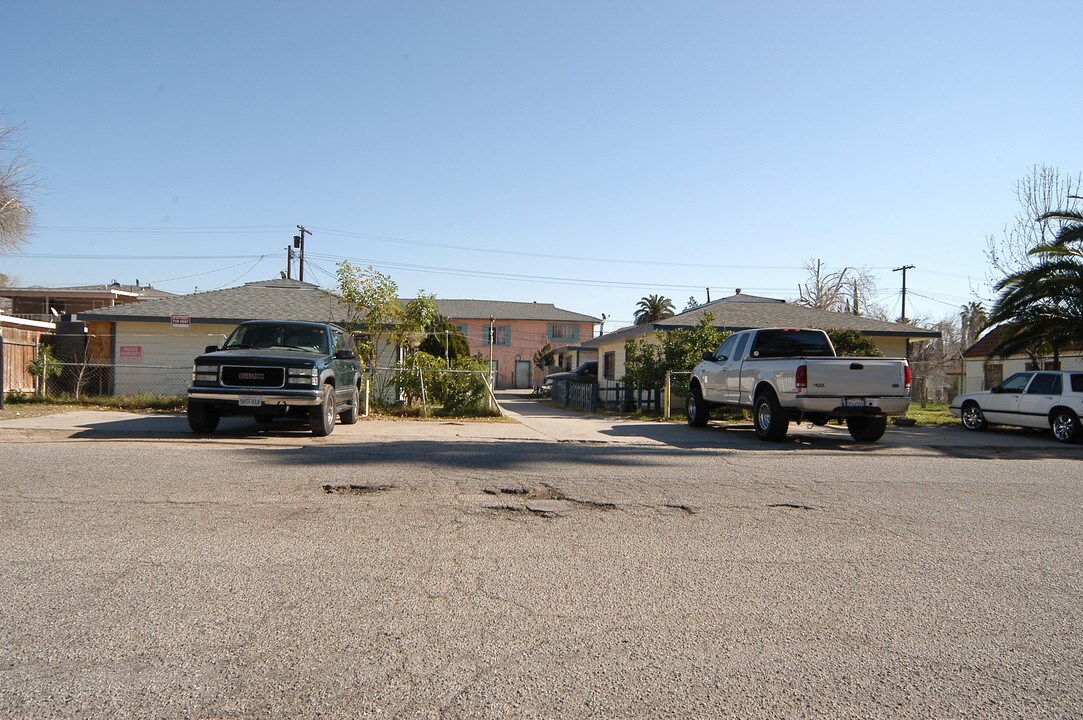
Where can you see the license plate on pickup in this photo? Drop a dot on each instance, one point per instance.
(853, 402)
(250, 401)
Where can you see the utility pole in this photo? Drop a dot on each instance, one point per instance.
(904, 268)
(492, 339)
(289, 262)
(299, 242)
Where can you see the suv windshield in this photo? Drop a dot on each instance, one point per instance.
(291, 337)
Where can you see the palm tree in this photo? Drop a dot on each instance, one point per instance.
(1041, 307)
(653, 308)
(973, 320)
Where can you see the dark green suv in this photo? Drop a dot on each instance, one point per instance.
(272, 369)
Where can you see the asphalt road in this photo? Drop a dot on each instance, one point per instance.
(518, 570)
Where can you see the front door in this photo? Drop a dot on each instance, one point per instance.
(522, 373)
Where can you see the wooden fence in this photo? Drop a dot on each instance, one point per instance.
(20, 348)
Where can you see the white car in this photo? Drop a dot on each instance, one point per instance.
(1044, 400)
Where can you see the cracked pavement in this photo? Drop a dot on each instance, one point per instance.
(430, 570)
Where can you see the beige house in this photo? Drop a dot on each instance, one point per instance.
(745, 312)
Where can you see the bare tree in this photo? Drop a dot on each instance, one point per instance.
(16, 184)
(847, 290)
(1041, 192)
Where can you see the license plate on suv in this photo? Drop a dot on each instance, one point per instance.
(250, 401)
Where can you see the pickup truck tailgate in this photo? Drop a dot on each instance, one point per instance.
(856, 377)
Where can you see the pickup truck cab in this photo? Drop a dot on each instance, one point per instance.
(274, 369)
(784, 374)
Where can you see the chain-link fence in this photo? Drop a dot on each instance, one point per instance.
(438, 390)
(78, 364)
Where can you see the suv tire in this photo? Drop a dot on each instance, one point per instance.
(322, 418)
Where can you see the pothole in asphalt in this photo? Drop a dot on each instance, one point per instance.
(682, 508)
(790, 506)
(543, 500)
(356, 489)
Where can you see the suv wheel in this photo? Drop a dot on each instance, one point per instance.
(322, 418)
(202, 418)
(349, 415)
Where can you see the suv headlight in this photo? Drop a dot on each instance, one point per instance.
(205, 373)
(303, 376)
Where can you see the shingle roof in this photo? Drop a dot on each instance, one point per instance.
(985, 345)
(736, 313)
(622, 335)
(504, 310)
(265, 300)
(295, 300)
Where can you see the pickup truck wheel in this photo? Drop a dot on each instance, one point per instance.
(770, 420)
(867, 429)
(1065, 424)
(349, 415)
(696, 411)
(202, 418)
(972, 417)
(322, 418)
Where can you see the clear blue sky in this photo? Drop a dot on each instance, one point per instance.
(580, 153)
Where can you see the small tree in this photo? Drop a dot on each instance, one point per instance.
(544, 357)
(44, 367)
(444, 340)
(851, 343)
(371, 300)
(646, 364)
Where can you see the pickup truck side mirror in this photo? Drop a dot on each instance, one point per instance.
(345, 355)
(211, 348)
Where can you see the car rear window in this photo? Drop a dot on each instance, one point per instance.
(791, 343)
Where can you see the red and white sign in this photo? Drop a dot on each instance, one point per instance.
(131, 352)
(181, 321)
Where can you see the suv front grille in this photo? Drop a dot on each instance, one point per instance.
(253, 376)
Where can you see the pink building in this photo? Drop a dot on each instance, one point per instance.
(521, 329)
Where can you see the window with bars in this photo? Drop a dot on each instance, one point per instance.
(562, 332)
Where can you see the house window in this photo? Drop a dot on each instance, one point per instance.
(501, 335)
(609, 365)
(463, 330)
(563, 332)
(994, 375)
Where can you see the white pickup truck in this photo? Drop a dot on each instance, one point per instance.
(788, 374)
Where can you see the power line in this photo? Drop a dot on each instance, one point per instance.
(547, 256)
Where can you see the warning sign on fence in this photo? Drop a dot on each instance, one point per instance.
(131, 352)
(181, 321)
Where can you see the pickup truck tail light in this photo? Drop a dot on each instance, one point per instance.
(908, 377)
(801, 377)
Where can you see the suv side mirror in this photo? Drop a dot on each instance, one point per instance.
(345, 355)
(211, 348)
